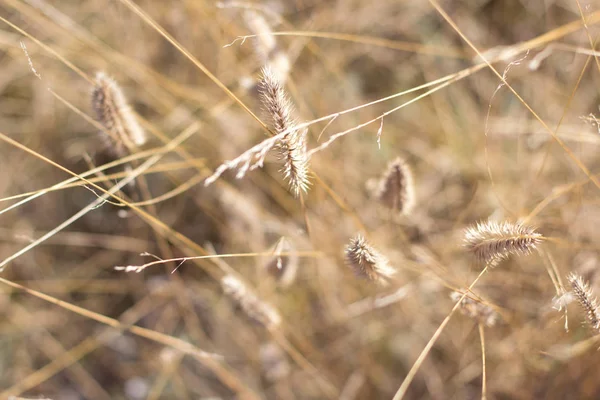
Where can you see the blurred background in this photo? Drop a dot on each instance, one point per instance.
(475, 149)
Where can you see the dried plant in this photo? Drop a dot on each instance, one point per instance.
(289, 141)
(396, 190)
(339, 60)
(115, 115)
(586, 298)
(292, 147)
(253, 307)
(283, 267)
(480, 312)
(367, 262)
(491, 241)
(249, 160)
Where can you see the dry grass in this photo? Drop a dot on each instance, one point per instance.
(493, 105)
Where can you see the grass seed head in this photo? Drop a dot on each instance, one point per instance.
(395, 190)
(251, 305)
(491, 241)
(586, 298)
(292, 146)
(367, 262)
(115, 115)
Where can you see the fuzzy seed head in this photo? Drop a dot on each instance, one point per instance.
(480, 312)
(292, 146)
(266, 46)
(491, 242)
(292, 151)
(251, 305)
(277, 104)
(258, 25)
(115, 115)
(367, 262)
(586, 299)
(395, 190)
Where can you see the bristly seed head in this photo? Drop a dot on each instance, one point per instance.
(115, 115)
(292, 146)
(367, 262)
(253, 307)
(491, 242)
(586, 298)
(396, 189)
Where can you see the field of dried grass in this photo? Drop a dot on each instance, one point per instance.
(299, 199)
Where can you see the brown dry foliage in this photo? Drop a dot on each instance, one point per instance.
(476, 152)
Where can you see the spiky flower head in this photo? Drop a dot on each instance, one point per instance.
(292, 146)
(367, 262)
(395, 190)
(586, 298)
(115, 115)
(253, 307)
(491, 241)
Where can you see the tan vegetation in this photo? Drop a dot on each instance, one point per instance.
(190, 191)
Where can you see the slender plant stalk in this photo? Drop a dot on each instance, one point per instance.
(483, 365)
(415, 368)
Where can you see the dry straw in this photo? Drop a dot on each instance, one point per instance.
(396, 190)
(253, 307)
(491, 241)
(586, 298)
(367, 262)
(283, 267)
(292, 146)
(115, 115)
(480, 312)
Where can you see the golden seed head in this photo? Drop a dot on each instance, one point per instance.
(253, 307)
(396, 189)
(586, 298)
(491, 241)
(115, 115)
(367, 262)
(292, 146)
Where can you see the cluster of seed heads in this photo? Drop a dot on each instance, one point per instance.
(115, 115)
(491, 242)
(367, 262)
(251, 305)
